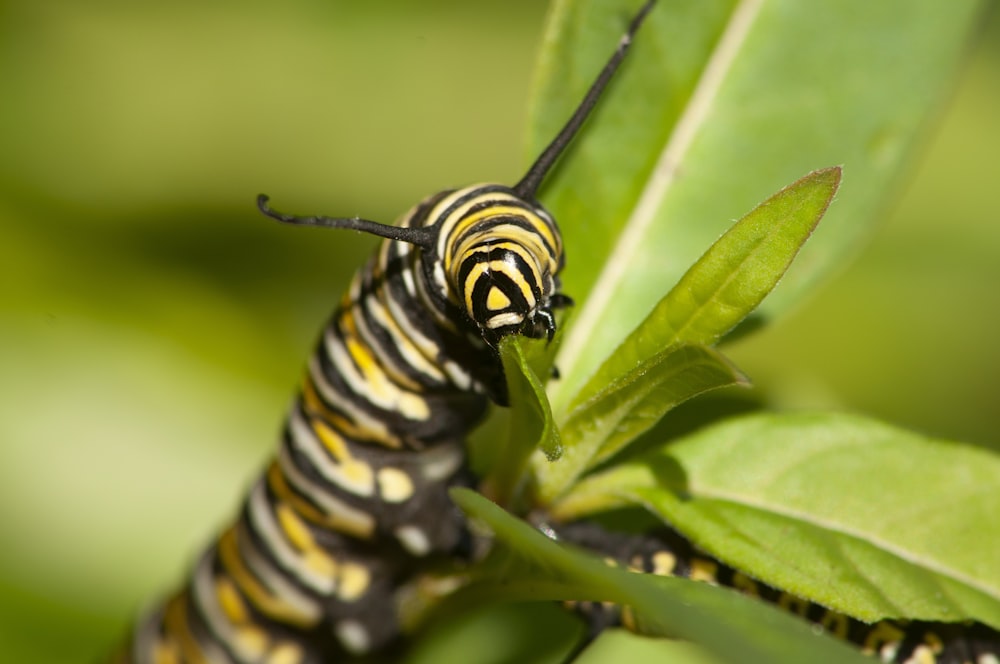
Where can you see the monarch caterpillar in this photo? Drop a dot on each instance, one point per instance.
(356, 499)
(355, 502)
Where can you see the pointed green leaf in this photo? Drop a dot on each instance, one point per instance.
(862, 517)
(718, 104)
(618, 645)
(728, 625)
(730, 279)
(617, 415)
(531, 424)
(501, 633)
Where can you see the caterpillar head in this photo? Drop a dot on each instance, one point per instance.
(503, 269)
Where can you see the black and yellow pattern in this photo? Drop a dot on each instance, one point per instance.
(357, 493)
(355, 504)
(664, 552)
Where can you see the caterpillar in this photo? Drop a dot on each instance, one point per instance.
(354, 505)
(355, 502)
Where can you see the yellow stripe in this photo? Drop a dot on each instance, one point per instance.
(276, 480)
(447, 224)
(409, 350)
(521, 279)
(704, 570)
(514, 238)
(359, 475)
(358, 308)
(628, 618)
(354, 581)
(382, 390)
(267, 603)
(664, 563)
(313, 557)
(231, 601)
(537, 224)
(367, 428)
(469, 286)
(395, 485)
(315, 405)
(165, 653)
(882, 635)
(285, 653)
(176, 623)
(252, 641)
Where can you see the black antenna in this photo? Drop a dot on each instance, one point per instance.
(420, 236)
(528, 185)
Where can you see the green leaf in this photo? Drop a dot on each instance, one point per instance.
(859, 516)
(531, 424)
(615, 416)
(718, 104)
(730, 279)
(728, 625)
(617, 645)
(500, 633)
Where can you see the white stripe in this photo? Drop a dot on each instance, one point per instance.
(456, 374)
(274, 580)
(353, 636)
(440, 462)
(367, 425)
(358, 313)
(403, 256)
(411, 355)
(376, 387)
(414, 540)
(306, 442)
(204, 594)
(502, 320)
(147, 635)
(449, 222)
(263, 520)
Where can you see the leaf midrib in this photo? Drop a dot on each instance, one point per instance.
(662, 177)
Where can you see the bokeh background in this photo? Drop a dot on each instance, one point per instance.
(152, 325)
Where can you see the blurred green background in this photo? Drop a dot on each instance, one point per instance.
(152, 324)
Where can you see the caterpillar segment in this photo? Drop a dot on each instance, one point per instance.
(664, 552)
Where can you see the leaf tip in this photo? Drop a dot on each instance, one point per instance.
(553, 450)
(831, 175)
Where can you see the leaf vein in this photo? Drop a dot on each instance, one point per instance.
(661, 179)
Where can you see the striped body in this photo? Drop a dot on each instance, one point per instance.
(666, 553)
(356, 499)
